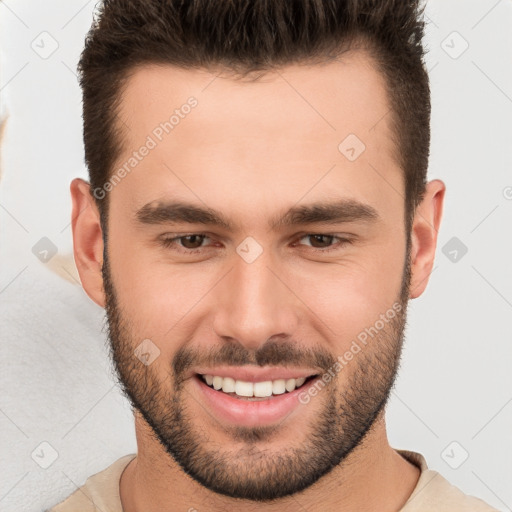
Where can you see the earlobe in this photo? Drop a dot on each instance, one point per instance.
(425, 228)
(87, 240)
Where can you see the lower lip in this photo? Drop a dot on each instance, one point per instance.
(230, 409)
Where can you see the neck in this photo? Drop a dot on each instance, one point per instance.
(374, 477)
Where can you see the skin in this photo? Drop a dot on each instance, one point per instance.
(251, 150)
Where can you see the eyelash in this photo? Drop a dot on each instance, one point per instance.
(169, 242)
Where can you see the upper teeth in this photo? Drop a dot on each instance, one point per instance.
(258, 389)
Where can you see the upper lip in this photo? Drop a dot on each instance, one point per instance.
(257, 374)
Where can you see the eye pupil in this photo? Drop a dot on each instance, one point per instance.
(197, 238)
(318, 237)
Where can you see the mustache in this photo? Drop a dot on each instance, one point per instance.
(272, 353)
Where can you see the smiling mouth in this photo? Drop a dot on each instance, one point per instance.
(254, 391)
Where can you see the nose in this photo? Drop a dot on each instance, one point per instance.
(254, 302)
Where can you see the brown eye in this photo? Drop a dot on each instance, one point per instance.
(185, 244)
(324, 243)
(321, 241)
(192, 241)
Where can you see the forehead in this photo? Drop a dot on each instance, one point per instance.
(345, 94)
(282, 134)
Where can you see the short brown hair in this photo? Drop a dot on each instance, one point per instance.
(244, 36)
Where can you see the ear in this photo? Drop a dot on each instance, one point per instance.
(427, 220)
(87, 240)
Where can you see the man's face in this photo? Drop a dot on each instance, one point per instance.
(282, 300)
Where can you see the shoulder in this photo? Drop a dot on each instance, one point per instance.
(100, 491)
(433, 493)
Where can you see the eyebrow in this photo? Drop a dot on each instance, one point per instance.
(330, 212)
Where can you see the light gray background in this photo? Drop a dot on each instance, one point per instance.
(56, 381)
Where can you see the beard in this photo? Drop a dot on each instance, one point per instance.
(251, 471)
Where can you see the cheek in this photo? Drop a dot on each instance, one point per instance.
(159, 300)
(146, 294)
(350, 296)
